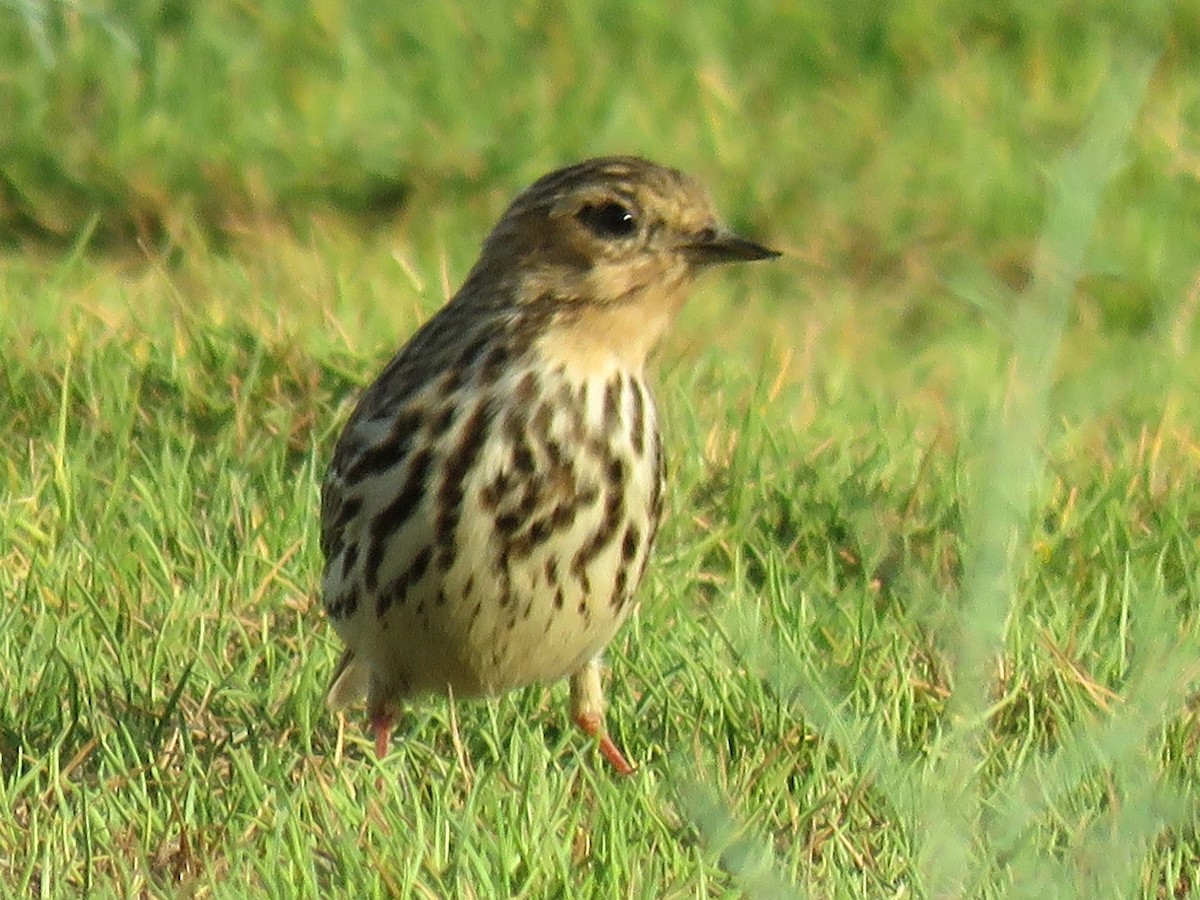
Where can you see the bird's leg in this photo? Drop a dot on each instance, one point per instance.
(381, 727)
(587, 709)
(383, 716)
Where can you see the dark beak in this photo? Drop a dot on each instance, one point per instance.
(717, 245)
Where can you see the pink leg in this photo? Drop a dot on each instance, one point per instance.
(587, 709)
(593, 725)
(381, 727)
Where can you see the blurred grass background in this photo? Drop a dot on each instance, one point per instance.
(218, 220)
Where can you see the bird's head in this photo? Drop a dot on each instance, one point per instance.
(612, 242)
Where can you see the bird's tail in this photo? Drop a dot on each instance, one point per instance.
(349, 682)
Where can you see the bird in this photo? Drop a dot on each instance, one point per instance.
(491, 503)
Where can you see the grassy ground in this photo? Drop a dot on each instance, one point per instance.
(923, 621)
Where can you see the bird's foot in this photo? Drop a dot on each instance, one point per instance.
(593, 725)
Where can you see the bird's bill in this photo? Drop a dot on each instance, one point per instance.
(725, 246)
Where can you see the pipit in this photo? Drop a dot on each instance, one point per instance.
(493, 499)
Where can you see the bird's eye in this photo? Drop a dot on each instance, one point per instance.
(608, 220)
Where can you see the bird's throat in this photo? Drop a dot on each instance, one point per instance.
(599, 338)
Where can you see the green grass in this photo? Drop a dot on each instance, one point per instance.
(923, 619)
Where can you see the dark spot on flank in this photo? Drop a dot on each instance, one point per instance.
(441, 421)
(612, 411)
(419, 565)
(345, 605)
(346, 514)
(495, 491)
(387, 453)
(495, 362)
(455, 376)
(471, 352)
(393, 517)
(540, 422)
(618, 595)
(527, 389)
(349, 559)
(616, 473)
(332, 545)
(385, 598)
(374, 561)
(563, 516)
(556, 456)
(458, 466)
(629, 545)
(607, 530)
(637, 428)
(539, 531)
(523, 460)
